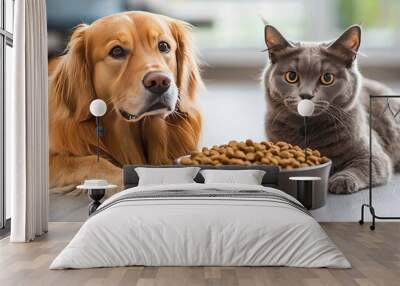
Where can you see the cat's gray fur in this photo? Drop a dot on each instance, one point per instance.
(339, 126)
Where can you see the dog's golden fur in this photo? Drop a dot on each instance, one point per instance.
(87, 72)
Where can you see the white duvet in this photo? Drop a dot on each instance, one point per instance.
(200, 231)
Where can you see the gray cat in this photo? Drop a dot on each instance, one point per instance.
(327, 74)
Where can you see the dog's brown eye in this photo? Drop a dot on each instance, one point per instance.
(291, 77)
(327, 78)
(163, 47)
(117, 52)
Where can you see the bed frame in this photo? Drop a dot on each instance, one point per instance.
(270, 179)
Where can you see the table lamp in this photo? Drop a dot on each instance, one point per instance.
(96, 188)
(305, 108)
(98, 108)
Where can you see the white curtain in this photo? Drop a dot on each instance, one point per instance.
(26, 124)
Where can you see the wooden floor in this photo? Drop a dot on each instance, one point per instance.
(375, 257)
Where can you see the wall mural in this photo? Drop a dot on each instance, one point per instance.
(143, 66)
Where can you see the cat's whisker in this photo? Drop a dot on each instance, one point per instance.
(339, 126)
(339, 110)
(324, 102)
(332, 119)
(321, 107)
(341, 122)
(289, 102)
(280, 109)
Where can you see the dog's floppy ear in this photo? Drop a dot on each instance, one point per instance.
(72, 83)
(188, 74)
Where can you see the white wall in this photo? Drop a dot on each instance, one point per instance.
(232, 111)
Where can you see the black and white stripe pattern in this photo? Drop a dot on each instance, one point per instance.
(205, 194)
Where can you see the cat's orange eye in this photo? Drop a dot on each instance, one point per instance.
(291, 77)
(327, 78)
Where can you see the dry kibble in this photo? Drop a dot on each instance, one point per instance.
(267, 144)
(295, 164)
(250, 149)
(232, 143)
(193, 153)
(250, 156)
(235, 161)
(284, 162)
(265, 161)
(299, 153)
(324, 160)
(230, 153)
(249, 142)
(284, 148)
(216, 157)
(205, 161)
(310, 163)
(268, 154)
(301, 159)
(274, 151)
(240, 155)
(277, 158)
(286, 154)
(186, 161)
(225, 160)
(313, 158)
(259, 147)
(259, 155)
(316, 153)
(282, 154)
(274, 161)
(297, 148)
(213, 152)
(242, 146)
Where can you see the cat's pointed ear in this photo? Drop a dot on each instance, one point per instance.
(275, 42)
(348, 43)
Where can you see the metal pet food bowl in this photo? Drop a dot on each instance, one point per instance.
(290, 187)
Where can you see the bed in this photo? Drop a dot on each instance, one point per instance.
(198, 224)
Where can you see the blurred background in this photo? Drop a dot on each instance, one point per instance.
(229, 36)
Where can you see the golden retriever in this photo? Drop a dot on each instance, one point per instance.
(144, 67)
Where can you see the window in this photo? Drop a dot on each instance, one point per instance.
(6, 44)
(231, 32)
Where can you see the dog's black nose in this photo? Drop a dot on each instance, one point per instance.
(306, 96)
(157, 82)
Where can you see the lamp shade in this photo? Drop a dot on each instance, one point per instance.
(98, 107)
(305, 107)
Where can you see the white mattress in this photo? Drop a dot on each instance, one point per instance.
(203, 231)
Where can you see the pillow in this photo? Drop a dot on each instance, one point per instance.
(248, 177)
(162, 176)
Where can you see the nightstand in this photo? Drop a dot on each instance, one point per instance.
(96, 190)
(305, 190)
